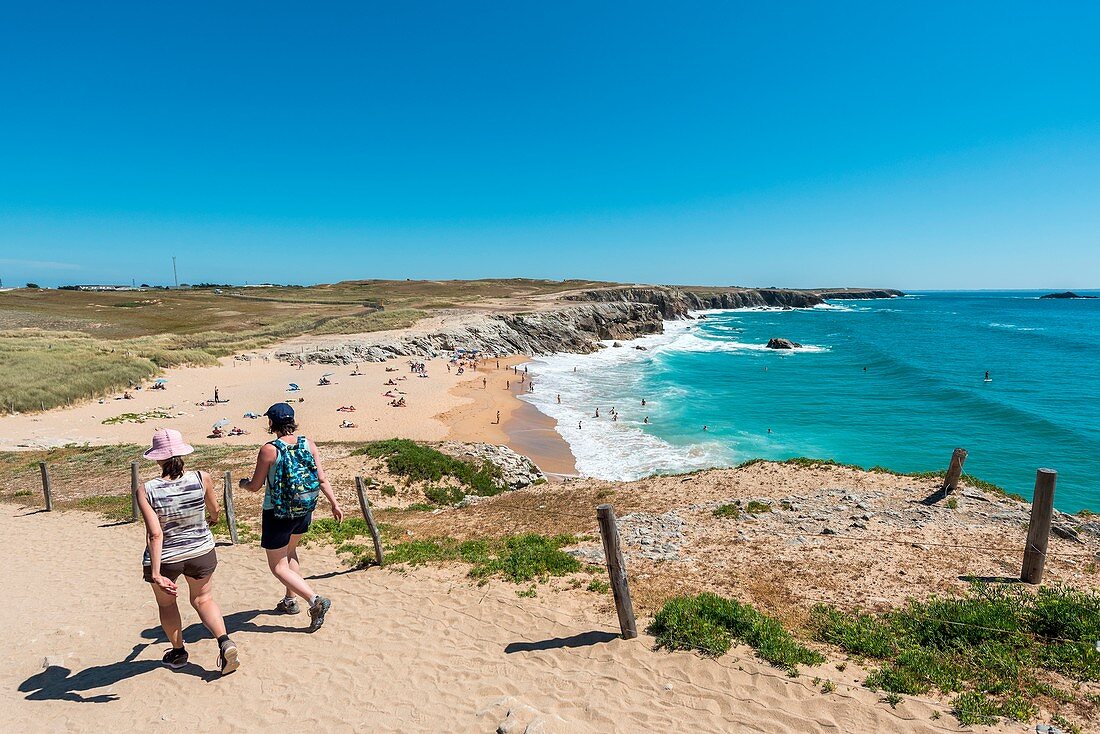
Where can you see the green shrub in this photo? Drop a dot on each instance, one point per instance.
(757, 508)
(709, 623)
(732, 510)
(444, 495)
(419, 463)
(989, 645)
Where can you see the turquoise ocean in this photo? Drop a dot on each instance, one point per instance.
(897, 383)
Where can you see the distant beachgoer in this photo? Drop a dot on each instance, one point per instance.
(498, 364)
(484, 383)
(292, 471)
(507, 384)
(704, 427)
(769, 430)
(574, 369)
(864, 369)
(217, 398)
(643, 402)
(646, 420)
(176, 508)
(597, 412)
(987, 375)
(525, 369)
(579, 425)
(498, 416)
(559, 399)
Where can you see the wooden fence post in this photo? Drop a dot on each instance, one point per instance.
(1038, 531)
(954, 471)
(364, 505)
(47, 485)
(616, 570)
(135, 513)
(230, 511)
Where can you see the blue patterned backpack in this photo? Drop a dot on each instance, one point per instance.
(296, 486)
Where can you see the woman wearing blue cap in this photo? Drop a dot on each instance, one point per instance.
(292, 472)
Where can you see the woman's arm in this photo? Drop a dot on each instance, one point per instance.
(263, 463)
(155, 540)
(212, 510)
(326, 488)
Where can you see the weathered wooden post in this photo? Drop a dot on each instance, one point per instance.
(954, 471)
(230, 512)
(364, 505)
(47, 486)
(616, 570)
(135, 483)
(1038, 531)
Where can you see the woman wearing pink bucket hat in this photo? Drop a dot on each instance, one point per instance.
(176, 507)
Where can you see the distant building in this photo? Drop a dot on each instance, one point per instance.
(98, 288)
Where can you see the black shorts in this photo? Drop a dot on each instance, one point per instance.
(275, 532)
(192, 568)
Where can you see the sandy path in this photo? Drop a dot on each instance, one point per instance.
(424, 651)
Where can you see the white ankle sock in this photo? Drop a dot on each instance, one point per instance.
(314, 599)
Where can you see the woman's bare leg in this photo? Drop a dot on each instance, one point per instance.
(169, 616)
(292, 561)
(279, 563)
(202, 599)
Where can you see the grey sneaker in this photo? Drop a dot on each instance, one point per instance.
(227, 658)
(175, 658)
(317, 612)
(288, 606)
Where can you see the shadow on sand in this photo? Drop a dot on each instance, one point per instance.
(57, 683)
(584, 639)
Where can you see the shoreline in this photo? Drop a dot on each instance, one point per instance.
(522, 427)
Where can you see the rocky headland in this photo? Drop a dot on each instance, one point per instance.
(576, 322)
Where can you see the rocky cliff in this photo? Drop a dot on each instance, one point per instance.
(675, 302)
(618, 313)
(575, 329)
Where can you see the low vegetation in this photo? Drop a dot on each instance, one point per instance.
(808, 462)
(516, 558)
(999, 650)
(709, 623)
(418, 463)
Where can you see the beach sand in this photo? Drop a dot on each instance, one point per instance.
(421, 651)
(444, 405)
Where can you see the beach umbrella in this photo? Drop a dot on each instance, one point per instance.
(160, 381)
(222, 423)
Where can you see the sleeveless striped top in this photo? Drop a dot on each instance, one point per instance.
(180, 505)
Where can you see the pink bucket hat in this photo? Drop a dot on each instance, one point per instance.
(167, 442)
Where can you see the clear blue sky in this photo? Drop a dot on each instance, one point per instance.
(931, 145)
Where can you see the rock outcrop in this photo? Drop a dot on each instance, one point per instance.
(676, 302)
(516, 470)
(1066, 294)
(782, 344)
(577, 329)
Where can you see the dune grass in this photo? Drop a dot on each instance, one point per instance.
(709, 623)
(999, 649)
(38, 371)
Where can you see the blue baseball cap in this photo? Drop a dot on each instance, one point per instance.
(280, 413)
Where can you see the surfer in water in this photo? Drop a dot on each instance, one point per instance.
(987, 377)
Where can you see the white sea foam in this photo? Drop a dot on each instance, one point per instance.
(624, 449)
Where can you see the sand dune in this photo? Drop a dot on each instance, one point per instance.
(401, 652)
